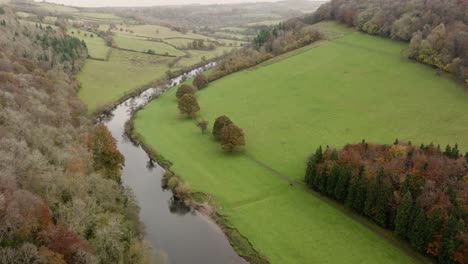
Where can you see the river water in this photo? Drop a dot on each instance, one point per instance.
(181, 233)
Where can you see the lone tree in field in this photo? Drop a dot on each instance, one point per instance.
(203, 125)
(184, 89)
(232, 137)
(219, 124)
(188, 105)
(200, 81)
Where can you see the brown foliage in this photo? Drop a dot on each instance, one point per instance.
(64, 242)
(106, 156)
(188, 105)
(184, 89)
(200, 81)
(219, 124)
(232, 137)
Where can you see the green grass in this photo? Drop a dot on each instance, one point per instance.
(331, 93)
(97, 47)
(107, 81)
(143, 45)
(195, 56)
(159, 32)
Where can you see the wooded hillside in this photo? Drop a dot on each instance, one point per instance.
(58, 203)
(436, 29)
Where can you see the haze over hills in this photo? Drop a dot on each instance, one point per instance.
(93, 3)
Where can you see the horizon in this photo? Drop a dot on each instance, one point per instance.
(139, 3)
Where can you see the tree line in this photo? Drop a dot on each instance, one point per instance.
(436, 29)
(418, 192)
(270, 42)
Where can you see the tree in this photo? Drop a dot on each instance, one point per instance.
(381, 205)
(188, 105)
(403, 219)
(341, 189)
(323, 180)
(449, 243)
(351, 196)
(361, 191)
(219, 124)
(203, 125)
(106, 156)
(184, 89)
(372, 192)
(311, 171)
(420, 232)
(232, 137)
(332, 180)
(200, 81)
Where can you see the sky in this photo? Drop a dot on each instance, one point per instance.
(99, 3)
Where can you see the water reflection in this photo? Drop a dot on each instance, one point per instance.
(179, 231)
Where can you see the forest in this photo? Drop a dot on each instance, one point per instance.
(418, 192)
(436, 29)
(61, 200)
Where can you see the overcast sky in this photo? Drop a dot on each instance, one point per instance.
(97, 3)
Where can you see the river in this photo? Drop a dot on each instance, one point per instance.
(183, 234)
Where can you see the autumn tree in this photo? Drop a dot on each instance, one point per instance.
(184, 89)
(200, 81)
(188, 105)
(219, 124)
(232, 137)
(106, 156)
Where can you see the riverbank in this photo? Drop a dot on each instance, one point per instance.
(202, 202)
(183, 233)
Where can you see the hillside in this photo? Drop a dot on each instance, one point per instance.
(436, 29)
(58, 202)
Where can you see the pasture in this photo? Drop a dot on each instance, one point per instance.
(107, 81)
(143, 45)
(97, 47)
(331, 93)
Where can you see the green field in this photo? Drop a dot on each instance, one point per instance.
(331, 93)
(107, 81)
(142, 45)
(97, 47)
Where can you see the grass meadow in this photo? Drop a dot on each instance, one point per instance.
(97, 47)
(107, 81)
(143, 45)
(331, 93)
